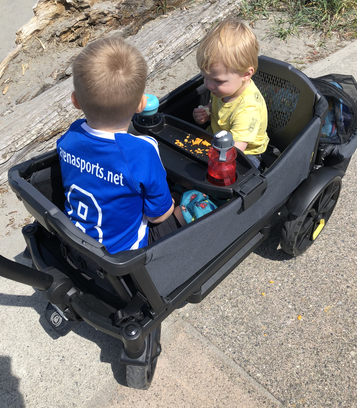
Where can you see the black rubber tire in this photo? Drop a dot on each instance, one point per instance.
(300, 232)
(140, 377)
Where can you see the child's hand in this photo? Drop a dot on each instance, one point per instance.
(200, 115)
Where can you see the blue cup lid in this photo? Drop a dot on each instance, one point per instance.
(152, 105)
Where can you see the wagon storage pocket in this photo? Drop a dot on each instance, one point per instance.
(341, 120)
(338, 138)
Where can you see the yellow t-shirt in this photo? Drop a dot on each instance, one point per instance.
(246, 118)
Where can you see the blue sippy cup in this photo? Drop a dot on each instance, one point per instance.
(149, 117)
(152, 105)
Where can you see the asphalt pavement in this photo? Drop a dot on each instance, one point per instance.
(278, 332)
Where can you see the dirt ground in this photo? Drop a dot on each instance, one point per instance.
(26, 77)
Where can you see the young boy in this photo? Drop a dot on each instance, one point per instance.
(114, 182)
(227, 58)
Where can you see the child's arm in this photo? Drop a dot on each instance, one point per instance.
(175, 210)
(241, 145)
(202, 114)
(161, 218)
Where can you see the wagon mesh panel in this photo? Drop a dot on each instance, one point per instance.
(281, 98)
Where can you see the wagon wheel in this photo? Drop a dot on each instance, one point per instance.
(299, 232)
(140, 377)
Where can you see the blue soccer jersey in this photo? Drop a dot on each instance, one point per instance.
(112, 182)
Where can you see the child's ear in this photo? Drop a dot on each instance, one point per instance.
(74, 100)
(142, 104)
(248, 74)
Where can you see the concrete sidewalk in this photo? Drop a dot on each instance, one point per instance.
(238, 348)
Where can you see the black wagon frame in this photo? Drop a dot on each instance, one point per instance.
(129, 294)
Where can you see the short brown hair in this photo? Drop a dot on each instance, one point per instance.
(109, 78)
(231, 42)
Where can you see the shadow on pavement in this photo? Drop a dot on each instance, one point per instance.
(269, 249)
(9, 386)
(110, 347)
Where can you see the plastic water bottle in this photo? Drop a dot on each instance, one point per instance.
(222, 160)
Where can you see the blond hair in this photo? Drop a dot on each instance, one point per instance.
(231, 42)
(109, 78)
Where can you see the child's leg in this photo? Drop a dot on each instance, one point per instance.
(177, 211)
(157, 231)
(173, 223)
(177, 197)
(179, 216)
(254, 159)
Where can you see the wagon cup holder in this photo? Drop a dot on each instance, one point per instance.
(145, 123)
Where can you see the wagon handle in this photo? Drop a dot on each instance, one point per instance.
(24, 274)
